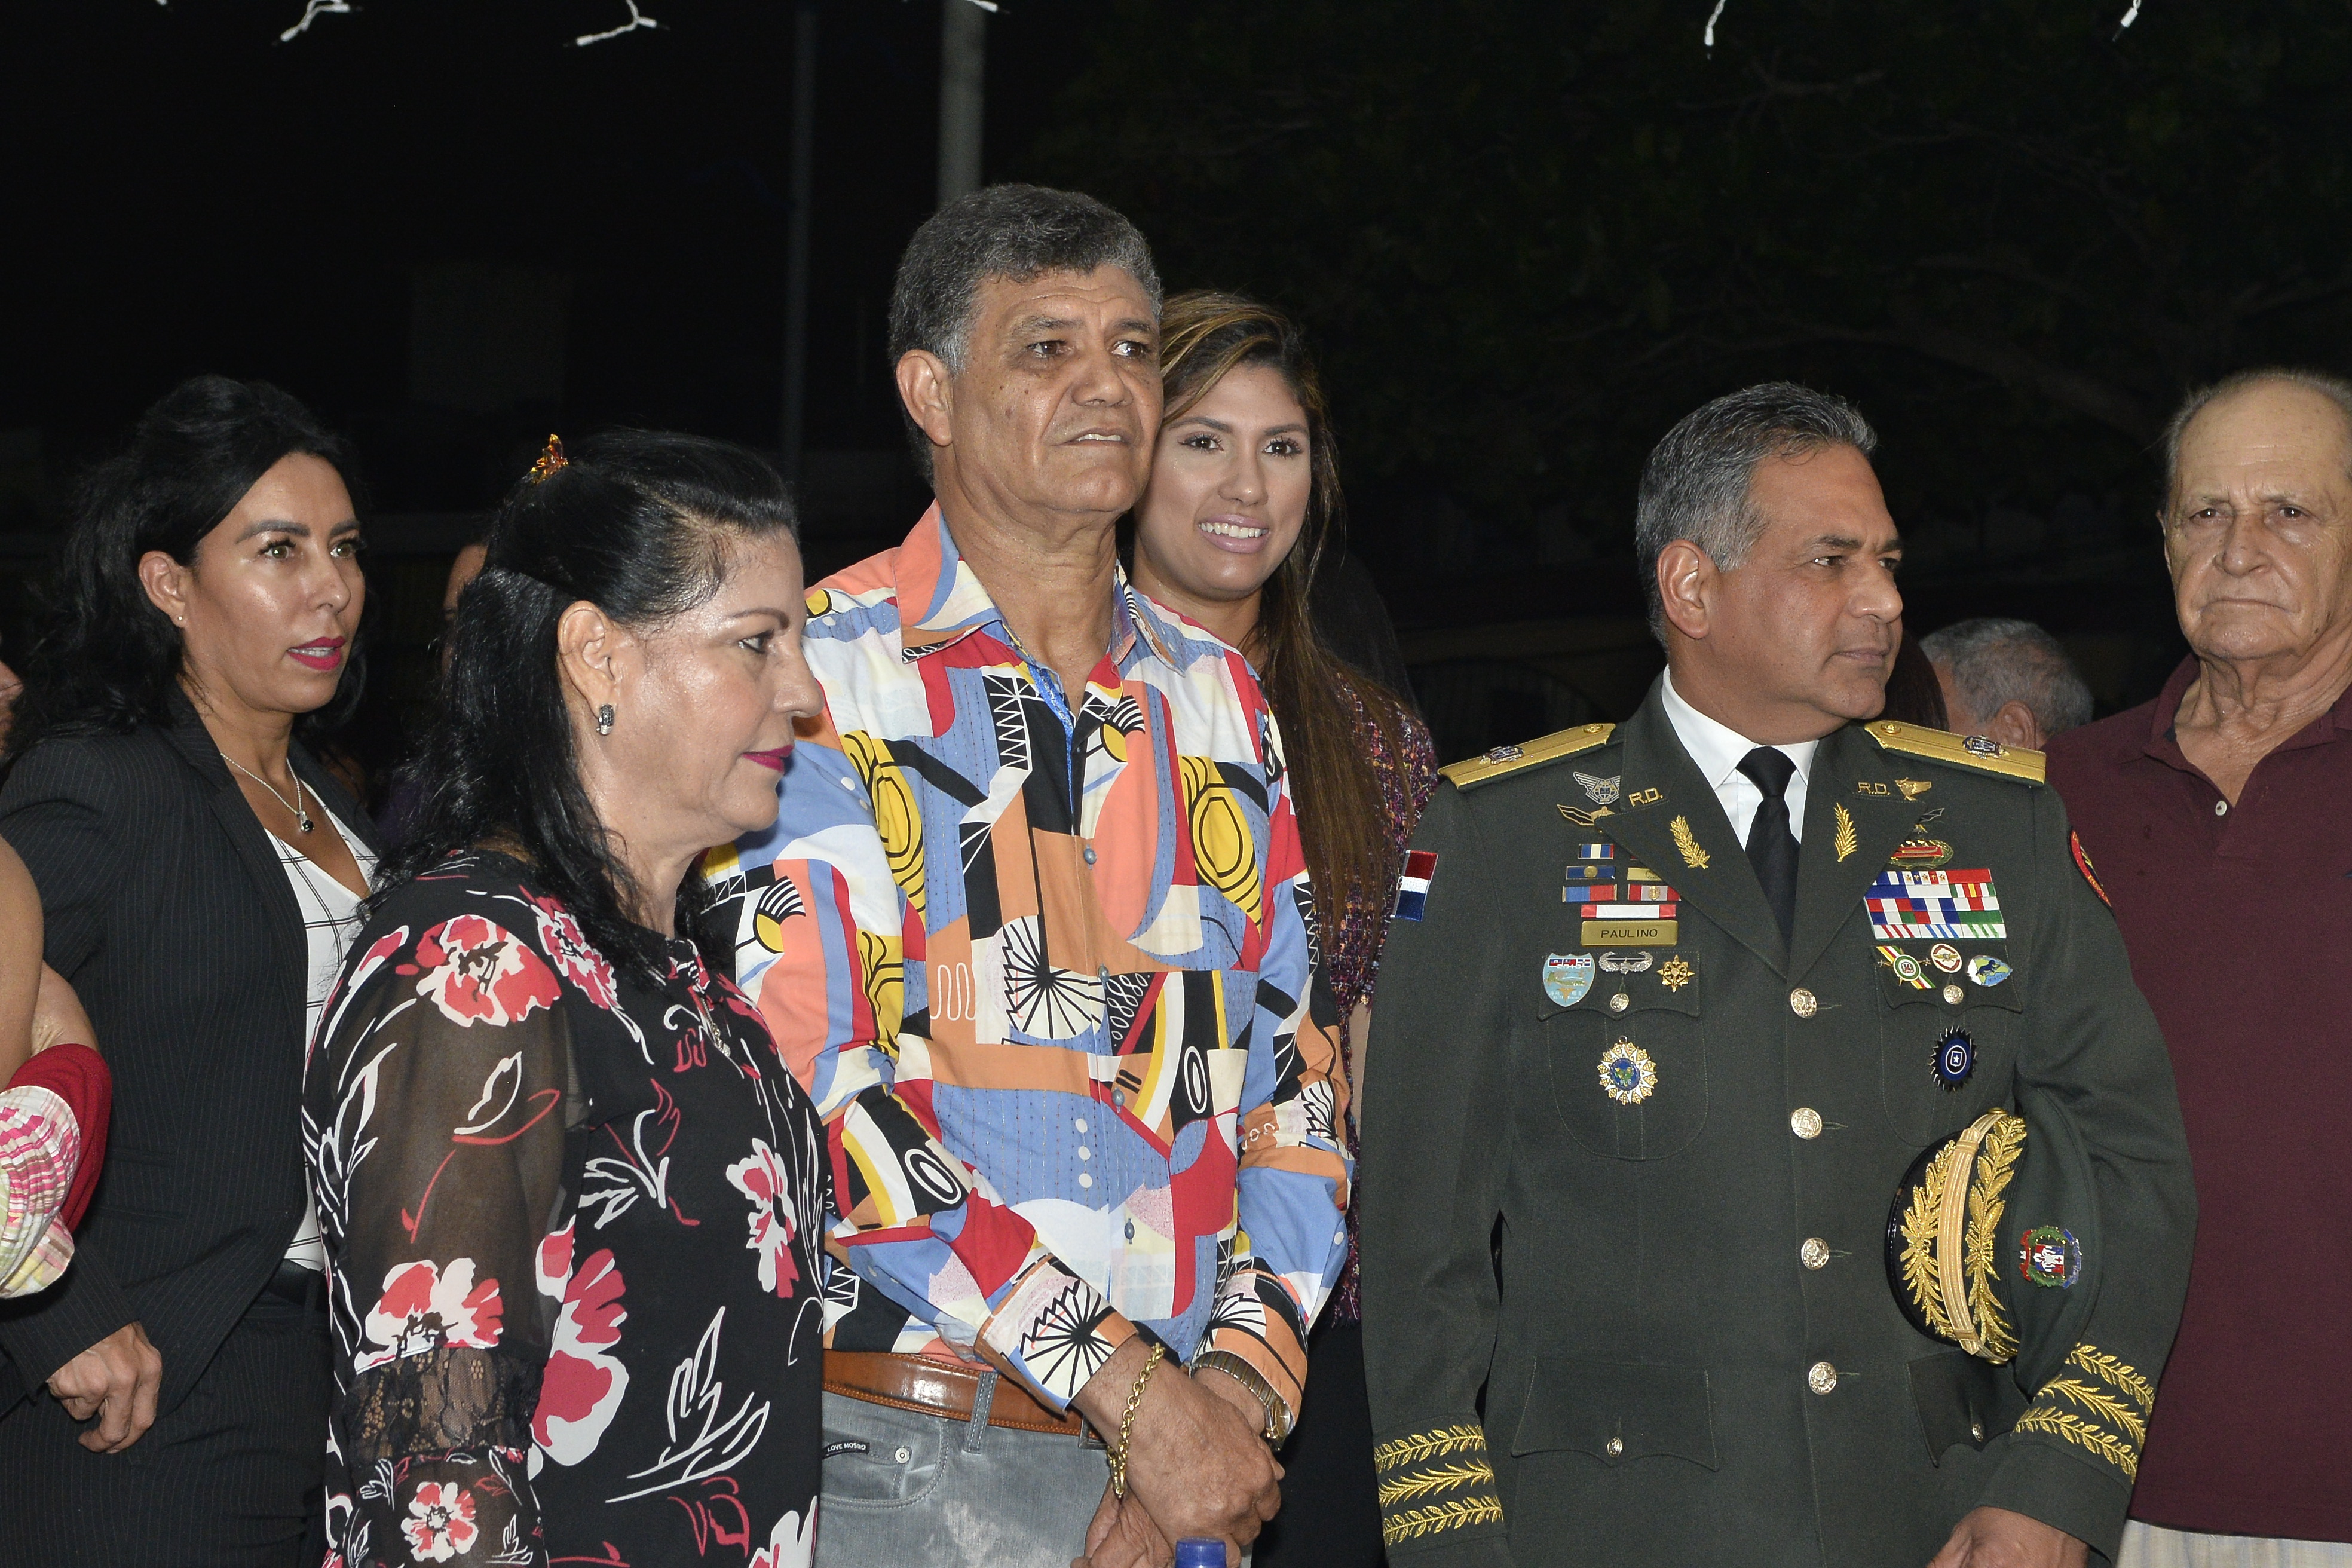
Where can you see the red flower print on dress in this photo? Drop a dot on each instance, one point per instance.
(579, 962)
(476, 970)
(763, 1179)
(424, 1309)
(584, 1382)
(440, 1523)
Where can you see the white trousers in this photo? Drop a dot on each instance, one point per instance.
(2153, 1546)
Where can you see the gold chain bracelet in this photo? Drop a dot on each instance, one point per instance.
(1127, 1422)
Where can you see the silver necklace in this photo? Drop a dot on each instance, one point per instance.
(294, 805)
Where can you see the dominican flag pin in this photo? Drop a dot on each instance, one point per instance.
(1413, 889)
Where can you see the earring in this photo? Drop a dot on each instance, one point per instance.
(604, 719)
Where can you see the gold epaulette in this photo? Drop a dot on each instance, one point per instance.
(1977, 751)
(1511, 759)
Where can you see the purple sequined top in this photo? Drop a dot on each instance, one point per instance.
(1351, 947)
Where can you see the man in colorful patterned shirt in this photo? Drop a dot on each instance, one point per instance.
(1034, 926)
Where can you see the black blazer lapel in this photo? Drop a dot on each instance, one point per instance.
(1724, 886)
(195, 743)
(1854, 816)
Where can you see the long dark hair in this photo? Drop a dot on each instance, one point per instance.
(642, 524)
(106, 658)
(1206, 336)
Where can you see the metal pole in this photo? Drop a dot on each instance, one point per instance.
(964, 55)
(796, 276)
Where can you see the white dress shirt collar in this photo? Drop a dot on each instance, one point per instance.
(1717, 750)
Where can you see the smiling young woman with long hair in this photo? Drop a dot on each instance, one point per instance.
(198, 871)
(1243, 508)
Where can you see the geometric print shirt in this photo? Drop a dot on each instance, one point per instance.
(1045, 962)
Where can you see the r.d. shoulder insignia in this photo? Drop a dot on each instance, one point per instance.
(1504, 760)
(1975, 751)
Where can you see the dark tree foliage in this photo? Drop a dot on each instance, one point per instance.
(1528, 237)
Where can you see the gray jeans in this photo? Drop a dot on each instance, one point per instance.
(902, 1489)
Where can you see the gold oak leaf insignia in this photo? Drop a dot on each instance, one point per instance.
(1913, 788)
(1847, 841)
(1693, 856)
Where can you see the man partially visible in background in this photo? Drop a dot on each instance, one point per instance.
(2215, 817)
(2009, 679)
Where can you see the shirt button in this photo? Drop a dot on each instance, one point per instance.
(2220, 808)
(1084, 1153)
(1084, 1179)
(1815, 1253)
(1118, 1096)
(1079, 1124)
(1131, 1230)
(902, 1456)
(1091, 853)
(1803, 1002)
(1616, 1447)
(1821, 1377)
(1805, 1122)
(1953, 996)
(1103, 974)
(1620, 1002)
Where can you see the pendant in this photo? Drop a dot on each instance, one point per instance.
(306, 825)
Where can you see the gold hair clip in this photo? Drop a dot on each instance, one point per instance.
(550, 460)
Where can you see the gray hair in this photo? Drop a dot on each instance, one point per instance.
(1994, 662)
(1000, 231)
(1696, 483)
(2334, 388)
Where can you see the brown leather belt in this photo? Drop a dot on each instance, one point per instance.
(929, 1387)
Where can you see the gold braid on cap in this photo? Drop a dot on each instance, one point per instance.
(1950, 1230)
(550, 460)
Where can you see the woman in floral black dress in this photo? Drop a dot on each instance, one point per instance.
(573, 1198)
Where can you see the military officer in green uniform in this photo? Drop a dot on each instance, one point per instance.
(1669, 1010)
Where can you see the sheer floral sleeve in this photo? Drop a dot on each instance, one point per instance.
(437, 1101)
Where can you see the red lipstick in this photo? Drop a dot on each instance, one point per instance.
(325, 653)
(775, 758)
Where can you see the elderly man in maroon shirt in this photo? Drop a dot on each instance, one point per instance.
(2219, 818)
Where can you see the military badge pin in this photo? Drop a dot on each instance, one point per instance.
(1988, 971)
(1567, 977)
(1627, 964)
(1676, 973)
(1946, 957)
(2049, 1256)
(1602, 791)
(1628, 1075)
(1955, 1058)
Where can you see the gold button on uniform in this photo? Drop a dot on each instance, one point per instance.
(1821, 1377)
(1815, 1253)
(1620, 1002)
(1616, 1447)
(1952, 996)
(1805, 1122)
(1803, 1002)
(1976, 1430)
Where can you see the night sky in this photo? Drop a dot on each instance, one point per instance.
(188, 193)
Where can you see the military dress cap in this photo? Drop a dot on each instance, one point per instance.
(1992, 1240)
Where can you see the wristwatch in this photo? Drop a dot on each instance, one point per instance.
(1278, 1419)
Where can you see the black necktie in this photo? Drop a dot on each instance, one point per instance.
(1772, 847)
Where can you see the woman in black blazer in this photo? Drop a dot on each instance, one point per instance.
(196, 868)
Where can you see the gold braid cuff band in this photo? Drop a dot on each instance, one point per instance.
(2098, 1403)
(1435, 1482)
(1127, 1422)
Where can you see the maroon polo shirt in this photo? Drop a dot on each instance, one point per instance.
(2238, 922)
